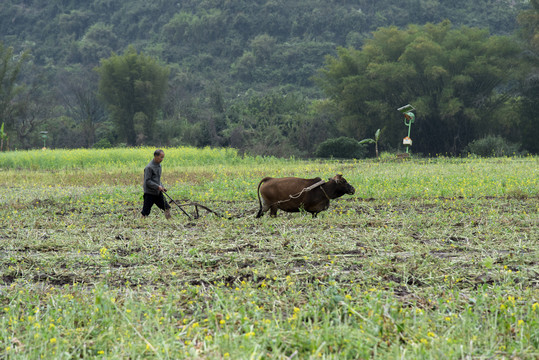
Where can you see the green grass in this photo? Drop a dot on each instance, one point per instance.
(432, 258)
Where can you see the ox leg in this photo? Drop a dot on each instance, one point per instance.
(273, 211)
(315, 215)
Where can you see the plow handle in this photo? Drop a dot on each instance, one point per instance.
(172, 201)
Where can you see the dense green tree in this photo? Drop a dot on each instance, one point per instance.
(133, 86)
(529, 100)
(453, 77)
(10, 89)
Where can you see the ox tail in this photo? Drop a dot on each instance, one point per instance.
(260, 210)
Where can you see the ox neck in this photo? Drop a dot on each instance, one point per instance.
(327, 190)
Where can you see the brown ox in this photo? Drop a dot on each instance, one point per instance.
(291, 194)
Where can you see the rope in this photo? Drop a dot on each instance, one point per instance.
(309, 188)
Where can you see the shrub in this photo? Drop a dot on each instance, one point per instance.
(342, 147)
(102, 144)
(492, 145)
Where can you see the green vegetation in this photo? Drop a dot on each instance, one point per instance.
(492, 146)
(529, 117)
(10, 67)
(444, 72)
(133, 85)
(241, 72)
(373, 141)
(342, 147)
(433, 258)
(3, 137)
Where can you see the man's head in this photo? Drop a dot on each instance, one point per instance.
(158, 156)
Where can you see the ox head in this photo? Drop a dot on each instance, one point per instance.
(342, 186)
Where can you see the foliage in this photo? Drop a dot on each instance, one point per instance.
(98, 43)
(225, 28)
(529, 26)
(492, 146)
(78, 91)
(133, 85)
(529, 89)
(244, 48)
(452, 76)
(373, 141)
(102, 144)
(271, 124)
(10, 89)
(3, 137)
(342, 147)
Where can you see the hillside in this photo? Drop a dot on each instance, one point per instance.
(224, 51)
(216, 35)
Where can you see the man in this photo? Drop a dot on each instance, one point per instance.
(153, 189)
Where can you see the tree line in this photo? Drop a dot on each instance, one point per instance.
(274, 93)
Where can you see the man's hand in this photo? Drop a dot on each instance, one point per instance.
(160, 188)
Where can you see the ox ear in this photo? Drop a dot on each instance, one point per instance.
(338, 178)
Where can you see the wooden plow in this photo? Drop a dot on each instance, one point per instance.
(196, 215)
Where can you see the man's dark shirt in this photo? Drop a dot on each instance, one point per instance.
(152, 178)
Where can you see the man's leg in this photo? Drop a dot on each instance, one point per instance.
(162, 204)
(149, 200)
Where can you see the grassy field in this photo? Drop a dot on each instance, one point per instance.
(431, 258)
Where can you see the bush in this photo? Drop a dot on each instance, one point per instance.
(342, 147)
(492, 145)
(102, 144)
